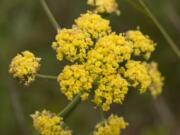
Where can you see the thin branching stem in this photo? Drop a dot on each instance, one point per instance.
(50, 15)
(46, 76)
(162, 30)
(71, 106)
(137, 7)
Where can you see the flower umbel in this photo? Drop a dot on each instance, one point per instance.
(94, 24)
(74, 80)
(156, 79)
(104, 6)
(111, 89)
(48, 123)
(112, 126)
(109, 51)
(72, 44)
(24, 66)
(137, 75)
(142, 44)
(114, 45)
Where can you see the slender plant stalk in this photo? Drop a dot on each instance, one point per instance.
(50, 15)
(102, 115)
(162, 30)
(166, 115)
(46, 76)
(70, 107)
(17, 108)
(137, 7)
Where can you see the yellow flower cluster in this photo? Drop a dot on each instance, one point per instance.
(24, 66)
(112, 126)
(142, 44)
(103, 58)
(103, 63)
(109, 51)
(137, 74)
(111, 89)
(116, 45)
(104, 6)
(72, 43)
(74, 80)
(94, 24)
(48, 123)
(156, 79)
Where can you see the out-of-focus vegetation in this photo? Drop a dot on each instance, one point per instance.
(25, 26)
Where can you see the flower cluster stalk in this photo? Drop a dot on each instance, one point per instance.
(50, 15)
(46, 76)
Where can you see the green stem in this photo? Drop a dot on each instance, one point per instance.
(162, 30)
(50, 15)
(137, 7)
(46, 76)
(102, 115)
(71, 106)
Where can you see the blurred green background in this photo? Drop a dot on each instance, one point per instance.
(25, 26)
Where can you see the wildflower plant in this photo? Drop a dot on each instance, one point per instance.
(103, 63)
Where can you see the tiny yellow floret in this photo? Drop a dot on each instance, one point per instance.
(75, 80)
(156, 79)
(137, 75)
(104, 6)
(142, 44)
(115, 45)
(94, 24)
(112, 126)
(24, 66)
(109, 51)
(47, 123)
(72, 44)
(111, 89)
